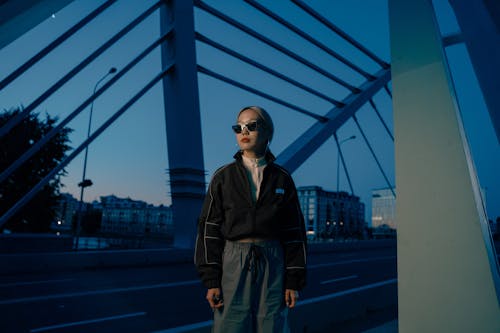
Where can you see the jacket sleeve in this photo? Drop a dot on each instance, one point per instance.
(209, 239)
(294, 242)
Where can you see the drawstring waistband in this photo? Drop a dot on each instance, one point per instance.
(255, 253)
(253, 261)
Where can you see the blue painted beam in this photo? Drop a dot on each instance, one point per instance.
(310, 39)
(200, 4)
(54, 172)
(55, 43)
(480, 25)
(308, 9)
(306, 144)
(18, 17)
(235, 83)
(264, 68)
(183, 121)
(55, 87)
(47, 137)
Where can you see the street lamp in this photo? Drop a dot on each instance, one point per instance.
(340, 224)
(87, 182)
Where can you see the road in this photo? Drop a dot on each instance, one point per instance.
(149, 299)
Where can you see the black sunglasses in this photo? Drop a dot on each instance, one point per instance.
(250, 127)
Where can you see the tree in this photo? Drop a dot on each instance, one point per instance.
(91, 221)
(39, 212)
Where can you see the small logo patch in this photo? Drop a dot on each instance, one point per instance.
(280, 191)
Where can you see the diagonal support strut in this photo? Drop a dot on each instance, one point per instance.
(305, 145)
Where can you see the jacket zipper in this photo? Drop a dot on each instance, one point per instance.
(255, 204)
(246, 181)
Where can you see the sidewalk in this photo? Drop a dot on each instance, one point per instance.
(204, 327)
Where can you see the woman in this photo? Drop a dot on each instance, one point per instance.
(251, 246)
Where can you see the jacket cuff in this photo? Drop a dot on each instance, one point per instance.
(212, 284)
(294, 283)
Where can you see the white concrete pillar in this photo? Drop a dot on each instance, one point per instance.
(448, 276)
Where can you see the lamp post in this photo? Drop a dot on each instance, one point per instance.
(87, 182)
(339, 224)
(338, 157)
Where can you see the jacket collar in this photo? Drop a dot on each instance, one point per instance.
(268, 156)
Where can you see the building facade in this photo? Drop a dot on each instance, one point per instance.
(383, 213)
(119, 216)
(383, 208)
(331, 214)
(127, 216)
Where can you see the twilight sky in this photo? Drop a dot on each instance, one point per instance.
(130, 158)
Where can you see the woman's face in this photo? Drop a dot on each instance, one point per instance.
(252, 143)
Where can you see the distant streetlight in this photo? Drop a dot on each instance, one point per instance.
(340, 224)
(87, 182)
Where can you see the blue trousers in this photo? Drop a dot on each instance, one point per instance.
(253, 289)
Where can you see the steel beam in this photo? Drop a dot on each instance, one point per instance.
(18, 17)
(183, 123)
(306, 144)
(448, 276)
(480, 25)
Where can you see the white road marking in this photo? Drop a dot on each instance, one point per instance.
(97, 292)
(15, 284)
(345, 292)
(345, 262)
(203, 324)
(350, 277)
(84, 322)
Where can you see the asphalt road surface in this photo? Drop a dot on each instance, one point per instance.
(148, 299)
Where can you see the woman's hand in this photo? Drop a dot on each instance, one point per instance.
(291, 297)
(214, 298)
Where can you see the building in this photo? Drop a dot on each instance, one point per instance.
(331, 214)
(119, 216)
(383, 213)
(383, 208)
(127, 216)
(67, 208)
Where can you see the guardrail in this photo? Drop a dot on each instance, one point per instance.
(72, 260)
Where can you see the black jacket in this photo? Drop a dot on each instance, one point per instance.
(229, 213)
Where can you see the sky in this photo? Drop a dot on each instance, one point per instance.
(130, 158)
